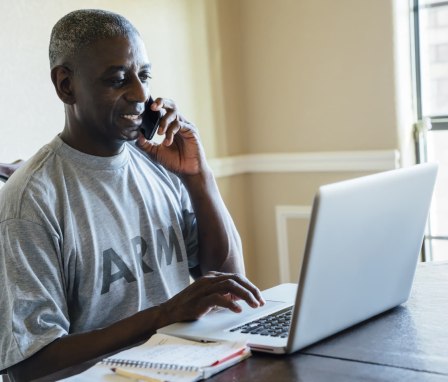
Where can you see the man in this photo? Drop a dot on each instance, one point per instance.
(99, 237)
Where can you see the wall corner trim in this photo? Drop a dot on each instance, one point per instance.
(282, 214)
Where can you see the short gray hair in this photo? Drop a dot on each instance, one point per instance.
(83, 27)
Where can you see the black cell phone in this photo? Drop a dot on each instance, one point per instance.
(151, 120)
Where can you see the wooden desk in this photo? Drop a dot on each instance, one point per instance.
(408, 343)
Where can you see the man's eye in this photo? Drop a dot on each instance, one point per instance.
(145, 77)
(117, 81)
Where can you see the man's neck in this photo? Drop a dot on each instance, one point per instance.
(89, 145)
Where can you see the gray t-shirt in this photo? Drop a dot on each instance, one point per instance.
(87, 241)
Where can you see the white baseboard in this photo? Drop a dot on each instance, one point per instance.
(338, 161)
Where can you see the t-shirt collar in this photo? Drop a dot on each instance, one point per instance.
(92, 161)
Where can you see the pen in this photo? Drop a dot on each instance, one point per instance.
(131, 375)
(229, 357)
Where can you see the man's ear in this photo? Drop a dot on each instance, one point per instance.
(62, 78)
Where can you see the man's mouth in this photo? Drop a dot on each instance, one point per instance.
(131, 117)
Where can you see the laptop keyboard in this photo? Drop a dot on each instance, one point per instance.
(274, 325)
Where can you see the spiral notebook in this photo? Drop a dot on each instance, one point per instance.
(168, 358)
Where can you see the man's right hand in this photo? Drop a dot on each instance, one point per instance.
(209, 291)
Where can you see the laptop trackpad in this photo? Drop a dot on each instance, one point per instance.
(269, 306)
(226, 319)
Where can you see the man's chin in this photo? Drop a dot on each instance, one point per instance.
(130, 135)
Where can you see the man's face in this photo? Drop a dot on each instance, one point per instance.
(111, 85)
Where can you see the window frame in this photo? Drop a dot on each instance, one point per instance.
(424, 123)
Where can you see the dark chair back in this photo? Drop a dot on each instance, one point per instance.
(7, 169)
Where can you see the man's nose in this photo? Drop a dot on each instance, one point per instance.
(138, 91)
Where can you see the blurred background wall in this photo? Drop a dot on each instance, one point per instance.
(287, 95)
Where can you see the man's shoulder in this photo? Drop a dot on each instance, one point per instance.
(28, 181)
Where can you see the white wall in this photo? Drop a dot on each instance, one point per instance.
(176, 39)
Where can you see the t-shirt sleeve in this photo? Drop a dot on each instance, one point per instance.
(32, 293)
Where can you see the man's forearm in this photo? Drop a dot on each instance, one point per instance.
(219, 242)
(74, 349)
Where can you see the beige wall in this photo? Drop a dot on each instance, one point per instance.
(318, 75)
(256, 77)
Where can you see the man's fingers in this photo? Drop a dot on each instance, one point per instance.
(237, 286)
(212, 290)
(163, 103)
(251, 287)
(240, 280)
(217, 299)
(235, 289)
(150, 148)
(172, 130)
(172, 121)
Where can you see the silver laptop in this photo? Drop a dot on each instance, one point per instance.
(362, 249)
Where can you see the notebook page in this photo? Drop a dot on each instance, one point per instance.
(165, 349)
(101, 372)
